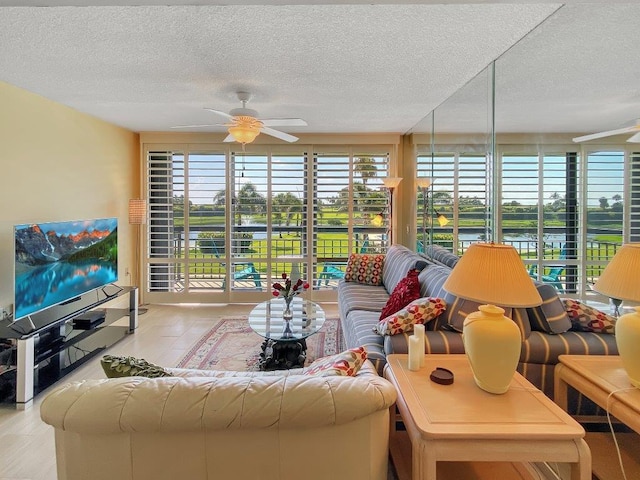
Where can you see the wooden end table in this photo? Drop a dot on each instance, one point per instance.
(462, 423)
(603, 379)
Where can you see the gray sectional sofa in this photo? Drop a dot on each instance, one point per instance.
(360, 307)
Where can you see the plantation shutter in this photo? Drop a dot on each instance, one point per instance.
(165, 184)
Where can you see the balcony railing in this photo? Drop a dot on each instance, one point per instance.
(285, 251)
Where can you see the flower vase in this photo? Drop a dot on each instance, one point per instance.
(287, 314)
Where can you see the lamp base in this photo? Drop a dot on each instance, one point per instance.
(492, 343)
(627, 340)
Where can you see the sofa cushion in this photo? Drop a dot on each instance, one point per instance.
(460, 310)
(543, 348)
(441, 341)
(356, 296)
(399, 260)
(551, 316)
(406, 291)
(588, 319)
(357, 328)
(345, 363)
(432, 279)
(421, 310)
(115, 367)
(440, 255)
(364, 268)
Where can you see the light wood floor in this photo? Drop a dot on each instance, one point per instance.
(164, 335)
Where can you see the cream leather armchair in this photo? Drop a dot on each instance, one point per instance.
(223, 425)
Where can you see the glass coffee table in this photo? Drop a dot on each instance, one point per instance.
(285, 343)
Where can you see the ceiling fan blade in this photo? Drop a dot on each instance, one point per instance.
(196, 126)
(634, 139)
(283, 122)
(229, 138)
(221, 113)
(278, 134)
(609, 133)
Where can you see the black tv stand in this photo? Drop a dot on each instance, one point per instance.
(72, 300)
(61, 341)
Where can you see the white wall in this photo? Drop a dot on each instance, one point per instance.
(59, 164)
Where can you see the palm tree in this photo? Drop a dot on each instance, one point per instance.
(250, 201)
(366, 167)
(286, 204)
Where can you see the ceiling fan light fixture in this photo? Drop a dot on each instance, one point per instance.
(245, 130)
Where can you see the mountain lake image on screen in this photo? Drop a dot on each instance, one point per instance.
(58, 261)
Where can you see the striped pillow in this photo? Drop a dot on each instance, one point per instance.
(551, 316)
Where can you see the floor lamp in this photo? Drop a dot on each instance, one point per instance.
(137, 217)
(391, 183)
(424, 183)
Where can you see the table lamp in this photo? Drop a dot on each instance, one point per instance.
(492, 274)
(620, 281)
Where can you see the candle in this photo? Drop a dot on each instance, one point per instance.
(414, 353)
(418, 331)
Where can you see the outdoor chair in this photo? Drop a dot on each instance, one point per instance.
(553, 276)
(242, 270)
(335, 270)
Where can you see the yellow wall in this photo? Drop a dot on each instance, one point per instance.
(59, 164)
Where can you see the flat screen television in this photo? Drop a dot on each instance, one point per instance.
(56, 262)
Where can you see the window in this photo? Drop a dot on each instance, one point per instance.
(565, 216)
(458, 192)
(228, 223)
(603, 210)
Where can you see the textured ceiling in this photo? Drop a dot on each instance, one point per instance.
(343, 68)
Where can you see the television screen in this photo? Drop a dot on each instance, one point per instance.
(59, 261)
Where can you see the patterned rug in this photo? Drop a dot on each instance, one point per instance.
(231, 345)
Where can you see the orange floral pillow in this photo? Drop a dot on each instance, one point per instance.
(364, 268)
(346, 363)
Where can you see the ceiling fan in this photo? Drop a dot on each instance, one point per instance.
(632, 128)
(244, 125)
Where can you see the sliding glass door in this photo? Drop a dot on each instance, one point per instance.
(225, 224)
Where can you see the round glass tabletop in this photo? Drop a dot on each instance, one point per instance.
(266, 319)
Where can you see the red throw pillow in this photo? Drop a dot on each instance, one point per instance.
(407, 290)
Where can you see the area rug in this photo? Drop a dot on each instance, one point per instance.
(231, 345)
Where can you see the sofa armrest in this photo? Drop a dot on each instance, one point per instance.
(173, 404)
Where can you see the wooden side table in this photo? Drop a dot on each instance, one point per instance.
(462, 423)
(602, 378)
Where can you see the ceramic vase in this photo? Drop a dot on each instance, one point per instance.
(492, 344)
(628, 342)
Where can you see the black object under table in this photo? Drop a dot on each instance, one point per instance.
(285, 345)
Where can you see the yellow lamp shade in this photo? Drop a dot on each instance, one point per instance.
(493, 273)
(442, 220)
(619, 280)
